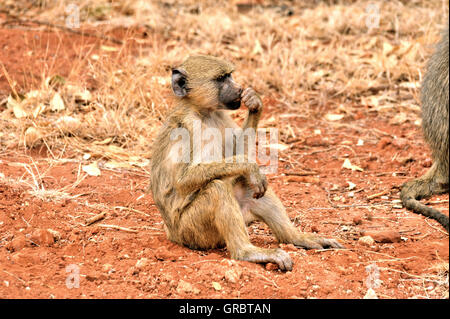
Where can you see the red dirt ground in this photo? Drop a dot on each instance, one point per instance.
(144, 264)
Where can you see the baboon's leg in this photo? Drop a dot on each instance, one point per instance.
(433, 182)
(270, 210)
(215, 218)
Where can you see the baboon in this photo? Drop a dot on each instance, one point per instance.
(434, 99)
(208, 204)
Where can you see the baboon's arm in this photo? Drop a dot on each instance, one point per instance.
(196, 176)
(254, 104)
(252, 120)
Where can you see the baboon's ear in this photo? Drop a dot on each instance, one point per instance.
(179, 82)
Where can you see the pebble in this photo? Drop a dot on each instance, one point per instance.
(107, 267)
(384, 141)
(184, 287)
(42, 237)
(385, 236)
(56, 234)
(357, 220)
(18, 243)
(233, 275)
(271, 266)
(162, 253)
(370, 294)
(366, 241)
(141, 263)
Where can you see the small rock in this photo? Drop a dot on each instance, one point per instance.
(314, 229)
(132, 271)
(357, 220)
(42, 237)
(216, 285)
(271, 266)
(384, 141)
(385, 236)
(18, 243)
(233, 275)
(141, 263)
(370, 294)
(400, 142)
(162, 253)
(184, 287)
(107, 267)
(366, 241)
(25, 258)
(124, 256)
(56, 234)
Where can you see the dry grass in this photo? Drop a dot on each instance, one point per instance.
(321, 59)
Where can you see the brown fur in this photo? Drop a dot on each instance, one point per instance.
(435, 108)
(207, 205)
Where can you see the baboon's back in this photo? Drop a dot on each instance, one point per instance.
(435, 103)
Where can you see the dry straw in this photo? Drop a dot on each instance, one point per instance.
(311, 58)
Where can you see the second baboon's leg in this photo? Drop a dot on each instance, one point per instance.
(215, 217)
(270, 210)
(433, 182)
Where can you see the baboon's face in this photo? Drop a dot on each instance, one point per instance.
(207, 83)
(229, 92)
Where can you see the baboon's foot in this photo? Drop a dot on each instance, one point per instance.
(312, 241)
(261, 255)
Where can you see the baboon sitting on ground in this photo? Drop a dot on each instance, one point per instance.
(207, 204)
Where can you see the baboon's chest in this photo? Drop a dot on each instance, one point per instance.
(218, 131)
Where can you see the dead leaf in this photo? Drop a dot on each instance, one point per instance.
(347, 164)
(57, 103)
(68, 124)
(257, 49)
(16, 107)
(114, 164)
(334, 117)
(351, 185)
(216, 285)
(32, 135)
(105, 141)
(108, 48)
(92, 169)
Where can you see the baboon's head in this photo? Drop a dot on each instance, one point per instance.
(206, 82)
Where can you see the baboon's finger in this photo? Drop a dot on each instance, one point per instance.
(330, 243)
(282, 259)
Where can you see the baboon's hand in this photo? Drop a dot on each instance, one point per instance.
(257, 181)
(252, 100)
(312, 241)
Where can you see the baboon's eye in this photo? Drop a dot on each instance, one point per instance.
(223, 77)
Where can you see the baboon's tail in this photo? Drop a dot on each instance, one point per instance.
(416, 189)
